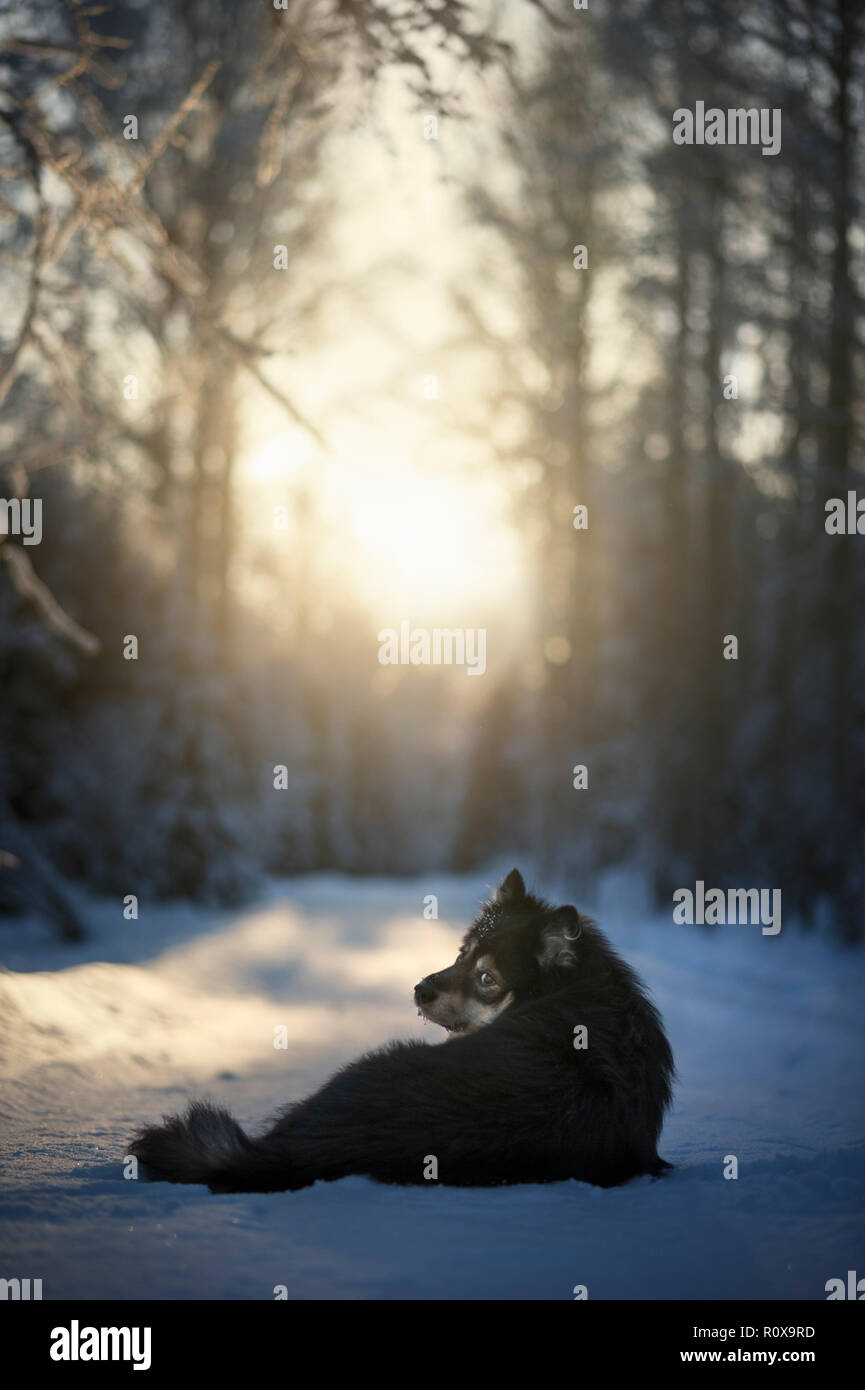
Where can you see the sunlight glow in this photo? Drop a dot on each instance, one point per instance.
(277, 461)
(423, 540)
(408, 541)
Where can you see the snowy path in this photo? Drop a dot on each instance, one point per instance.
(767, 1033)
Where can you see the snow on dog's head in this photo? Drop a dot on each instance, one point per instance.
(516, 948)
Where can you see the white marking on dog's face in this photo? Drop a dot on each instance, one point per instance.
(478, 996)
(479, 1015)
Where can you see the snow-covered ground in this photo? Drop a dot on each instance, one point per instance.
(768, 1037)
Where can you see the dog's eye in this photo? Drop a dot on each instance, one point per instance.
(485, 980)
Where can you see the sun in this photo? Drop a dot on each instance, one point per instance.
(278, 460)
(410, 541)
(429, 544)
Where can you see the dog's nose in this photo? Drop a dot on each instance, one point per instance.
(425, 992)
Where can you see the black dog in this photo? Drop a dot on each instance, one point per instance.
(559, 1068)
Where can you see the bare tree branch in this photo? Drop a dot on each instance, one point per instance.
(31, 587)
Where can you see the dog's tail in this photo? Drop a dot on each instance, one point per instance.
(203, 1145)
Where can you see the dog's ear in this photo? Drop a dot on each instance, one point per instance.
(511, 889)
(558, 939)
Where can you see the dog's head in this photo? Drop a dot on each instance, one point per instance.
(516, 945)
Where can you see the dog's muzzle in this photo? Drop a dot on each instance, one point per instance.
(425, 992)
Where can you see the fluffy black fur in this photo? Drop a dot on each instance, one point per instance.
(511, 1102)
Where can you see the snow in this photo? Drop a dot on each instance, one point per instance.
(767, 1033)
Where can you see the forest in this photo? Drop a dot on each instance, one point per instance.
(328, 316)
